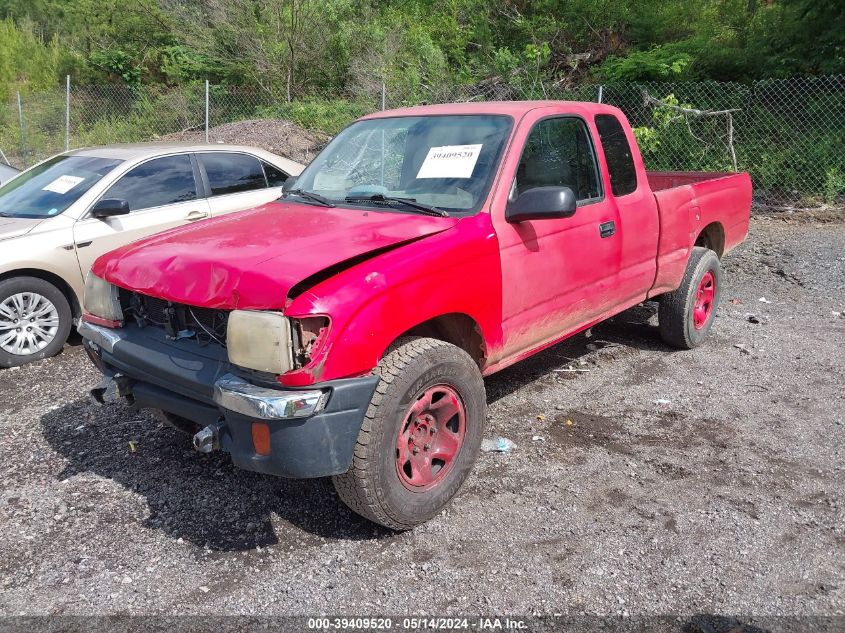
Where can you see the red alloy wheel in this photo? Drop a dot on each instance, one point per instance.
(430, 438)
(703, 306)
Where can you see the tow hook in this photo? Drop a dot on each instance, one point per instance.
(208, 438)
(112, 389)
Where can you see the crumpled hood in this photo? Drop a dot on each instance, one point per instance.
(15, 227)
(250, 260)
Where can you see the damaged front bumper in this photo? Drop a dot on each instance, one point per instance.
(308, 432)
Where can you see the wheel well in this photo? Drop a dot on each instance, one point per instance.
(458, 329)
(712, 236)
(54, 279)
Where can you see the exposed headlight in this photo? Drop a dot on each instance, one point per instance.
(259, 340)
(101, 299)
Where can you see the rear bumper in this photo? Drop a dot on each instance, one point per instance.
(312, 430)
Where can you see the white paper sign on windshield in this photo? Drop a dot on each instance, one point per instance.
(63, 184)
(450, 161)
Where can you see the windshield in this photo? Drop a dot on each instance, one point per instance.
(447, 162)
(51, 187)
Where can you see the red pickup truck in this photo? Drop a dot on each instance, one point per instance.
(344, 329)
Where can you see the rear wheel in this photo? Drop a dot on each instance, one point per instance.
(420, 437)
(35, 320)
(686, 314)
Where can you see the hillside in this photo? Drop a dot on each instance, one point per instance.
(297, 48)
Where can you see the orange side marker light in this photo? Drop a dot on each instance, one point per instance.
(261, 438)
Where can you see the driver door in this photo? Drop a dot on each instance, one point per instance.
(557, 274)
(162, 193)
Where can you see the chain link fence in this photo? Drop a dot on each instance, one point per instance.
(788, 133)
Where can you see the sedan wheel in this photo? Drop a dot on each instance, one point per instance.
(35, 320)
(29, 322)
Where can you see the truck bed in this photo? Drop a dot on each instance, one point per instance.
(694, 207)
(661, 180)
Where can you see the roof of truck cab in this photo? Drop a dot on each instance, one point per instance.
(515, 109)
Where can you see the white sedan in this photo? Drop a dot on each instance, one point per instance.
(57, 217)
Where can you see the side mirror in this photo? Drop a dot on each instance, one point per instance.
(108, 207)
(289, 183)
(542, 203)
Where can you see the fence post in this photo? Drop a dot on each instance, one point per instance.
(23, 140)
(206, 110)
(383, 96)
(67, 113)
(601, 94)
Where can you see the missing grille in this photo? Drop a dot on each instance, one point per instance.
(207, 325)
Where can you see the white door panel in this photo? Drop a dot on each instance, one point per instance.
(162, 193)
(245, 200)
(94, 237)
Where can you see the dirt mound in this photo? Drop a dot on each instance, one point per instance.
(274, 135)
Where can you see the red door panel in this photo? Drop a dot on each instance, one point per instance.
(556, 273)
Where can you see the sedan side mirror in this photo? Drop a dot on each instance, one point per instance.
(542, 203)
(108, 207)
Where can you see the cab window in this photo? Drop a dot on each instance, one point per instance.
(617, 154)
(559, 153)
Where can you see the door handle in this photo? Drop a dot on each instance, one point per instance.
(69, 247)
(193, 216)
(606, 229)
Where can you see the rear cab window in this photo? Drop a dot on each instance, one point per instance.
(232, 173)
(617, 155)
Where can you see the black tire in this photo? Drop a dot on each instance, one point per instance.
(372, 487)
(676, 314)
(183, 425)
(17, 285)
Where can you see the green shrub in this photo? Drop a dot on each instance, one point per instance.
(834, 185)
(27, 62)
(329, 116)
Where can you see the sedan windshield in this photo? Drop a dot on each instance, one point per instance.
(51, 187)
(445, 163)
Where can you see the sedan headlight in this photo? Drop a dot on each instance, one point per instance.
(260, 341)
(101, 299)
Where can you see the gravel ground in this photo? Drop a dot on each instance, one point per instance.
(647, 482)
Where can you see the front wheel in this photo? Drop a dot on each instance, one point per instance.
(420, 437)
(35, 320)
(686, 314)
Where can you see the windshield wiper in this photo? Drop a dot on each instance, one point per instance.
(309, 195)
(411, 202)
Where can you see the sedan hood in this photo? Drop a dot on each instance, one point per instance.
(251, 260)
(14, 227)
